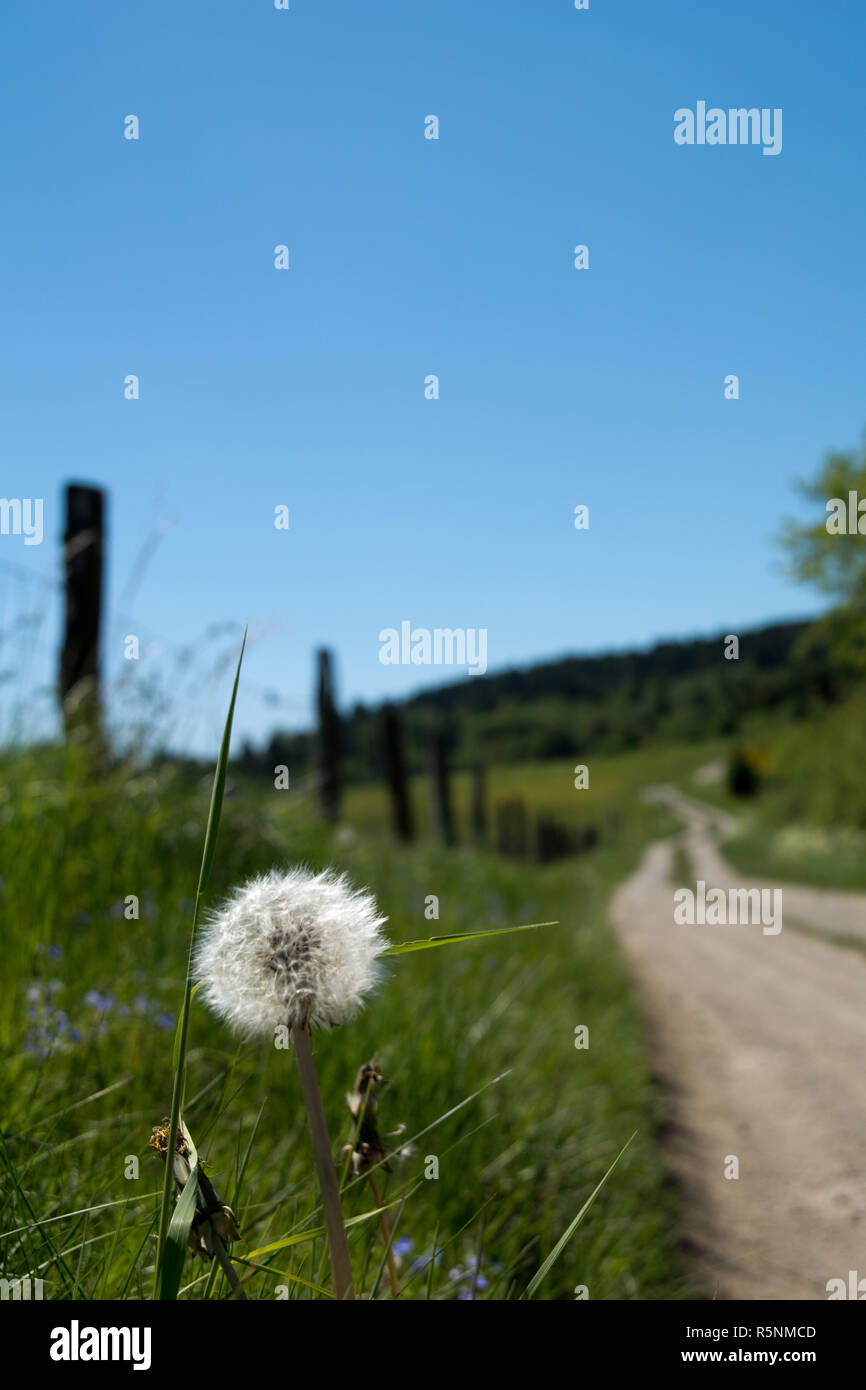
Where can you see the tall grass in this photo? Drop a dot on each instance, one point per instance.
(477, 1040)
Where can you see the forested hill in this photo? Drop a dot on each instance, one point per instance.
(578, 705)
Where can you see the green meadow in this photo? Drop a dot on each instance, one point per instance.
(521, 1116)
(477, 1040)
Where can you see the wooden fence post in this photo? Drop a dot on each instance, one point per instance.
(478, 804)
(395, 774)
(328, 740)
(83, 564)
(512, 828)
(443, 817)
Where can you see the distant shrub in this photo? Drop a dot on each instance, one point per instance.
(746, 770)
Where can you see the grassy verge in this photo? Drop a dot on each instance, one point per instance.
(97, 888)
(816, 856)
(807, 822)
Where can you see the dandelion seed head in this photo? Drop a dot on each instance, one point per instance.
(290, 948)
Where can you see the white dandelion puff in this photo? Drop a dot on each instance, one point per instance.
(290, 948)
(294, 950)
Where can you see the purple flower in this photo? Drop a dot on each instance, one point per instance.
(402, 1246)
(102, 1003)
(52, 952)
(423, 1261)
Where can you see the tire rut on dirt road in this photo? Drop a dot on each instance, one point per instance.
(761, 1041)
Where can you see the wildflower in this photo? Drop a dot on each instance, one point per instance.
(294, 950)
(403, 1246)
(102, 1003)
(290, 949)
(52, 951)
(214, 1222)
(421, 1263)
(367, 1152)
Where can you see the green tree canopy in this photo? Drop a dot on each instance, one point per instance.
(834, 561)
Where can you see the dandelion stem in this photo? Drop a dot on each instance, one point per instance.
(338, 1245)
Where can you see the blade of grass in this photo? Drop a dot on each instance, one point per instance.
(137, 1256)
(68, 1215)
(235, 1200)
(284, 1274)
(385, 1256)
(178, 1235)
(427, 943)
(67, 1109)
(210, 840)
(566, 1236)
(432, 1266)
(314, 1234)
(56, 1259)
(408, 1143)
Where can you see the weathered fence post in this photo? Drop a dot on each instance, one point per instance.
(478, 804)
(395, 774)
(552, 840)
(443, 817)
(83, 563)
(328, 740)
(512, 828)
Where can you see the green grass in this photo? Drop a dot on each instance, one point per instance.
(816, 856)
(807, 823)
(82, 1189)
(611, 802)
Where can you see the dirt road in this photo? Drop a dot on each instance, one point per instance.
(762, 1041)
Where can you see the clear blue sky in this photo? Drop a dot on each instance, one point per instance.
(409, 257)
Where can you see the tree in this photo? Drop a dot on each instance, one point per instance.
(832, 560)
